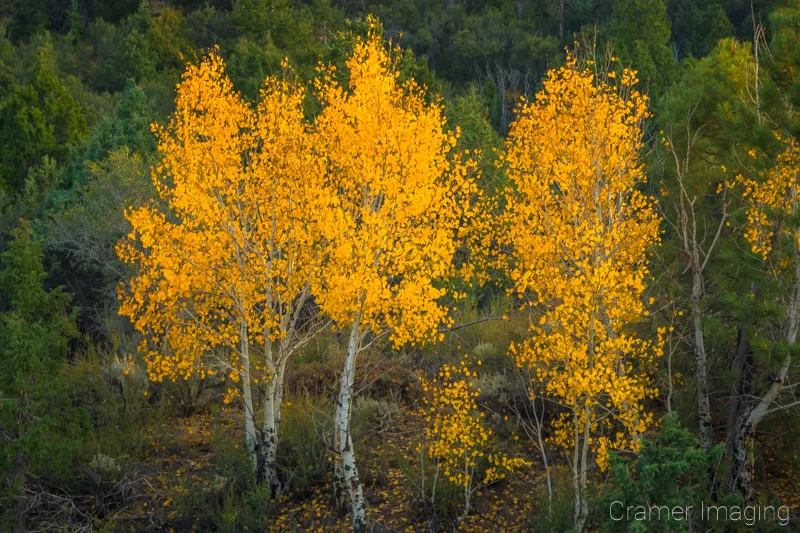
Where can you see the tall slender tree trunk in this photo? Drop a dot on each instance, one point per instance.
(739, 407)
(347, 470)
(247, 394)
(269, 432)
(580, 462)
(740, 478)
(751, 412)
(582, 502)
(705, 426)
(576, 477)
(696, 262)
(267, 473)
(701, 359)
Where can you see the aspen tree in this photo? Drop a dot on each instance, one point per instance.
(580, 232)
(456, 437)
(225, 260)
(400, 199)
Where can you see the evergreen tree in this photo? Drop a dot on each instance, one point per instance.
(697, 26)
(640, 33)
(39, 118)
(129, 127)
(669, 470)
(30, 16)
(40, 431)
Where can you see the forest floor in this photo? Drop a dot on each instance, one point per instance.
(176, 487)
(193, 476)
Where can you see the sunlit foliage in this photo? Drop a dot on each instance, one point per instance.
(580, 233)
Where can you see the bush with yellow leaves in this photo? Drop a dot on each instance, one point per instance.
(456, 438)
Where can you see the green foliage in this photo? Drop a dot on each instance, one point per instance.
(74, 22)
(697, 26)
(441, 500)
(7, 78)
(39, 118)
(138, 58)
(114, 11)
(41, 431)
(785, 54)
(227, 499)
(168, 40)
(640, 33)
(118, 401)
(284, 25)
(250, 63)
(470, 113)
(302, 448)
(85, 228)
(29, 17)
(81, 81)
(128, 127)
(668, 471)
(555, 517)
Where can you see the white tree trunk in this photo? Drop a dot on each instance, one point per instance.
(467, 505)
(582, 503)
(247, 394)
(576, 478)
(740, 478)
(269, 432)
(701, 360)
(347, 469)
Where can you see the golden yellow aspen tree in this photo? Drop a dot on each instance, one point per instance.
(400, 199)
(579, 232)
(774, 235)
(456, 437)
(225, 259)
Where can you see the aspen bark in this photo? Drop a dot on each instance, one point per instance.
(701, 359)
(269, 432)
(576, 479)
(542, 450)
(247, 393)
(750, 414)
(347, 469)
(582, 503)
(740, 478)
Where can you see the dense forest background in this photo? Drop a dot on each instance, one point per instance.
(99, 446)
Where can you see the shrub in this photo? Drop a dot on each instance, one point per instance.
(42, 431)
(669, 471)
(119, 400)
(305, 431)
